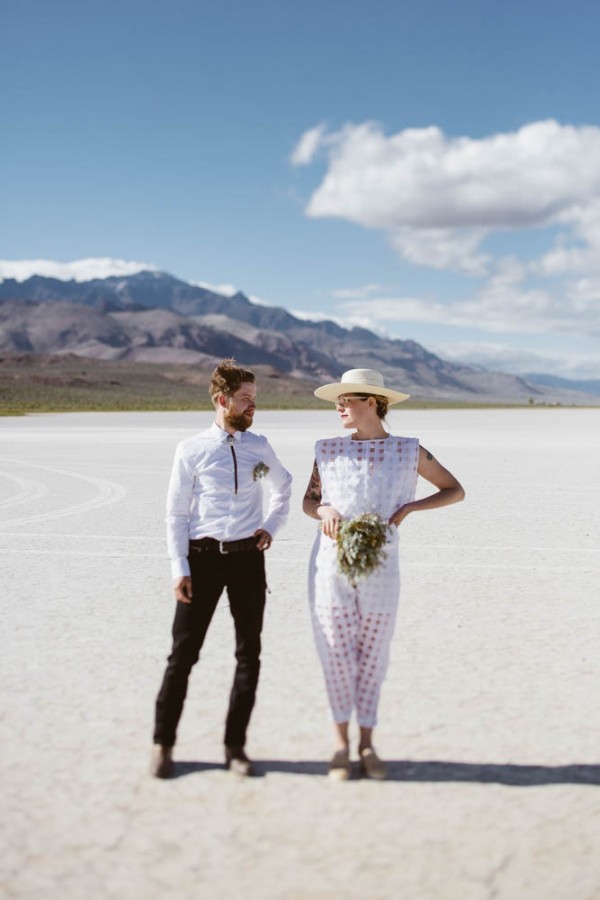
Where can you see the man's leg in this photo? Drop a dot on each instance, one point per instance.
(189, 630)
(246, 588)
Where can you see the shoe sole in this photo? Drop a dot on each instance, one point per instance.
(339, 774)
(374, 776)
(241, 771)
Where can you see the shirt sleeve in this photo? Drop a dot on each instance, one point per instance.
(179, 498)
(280, 489)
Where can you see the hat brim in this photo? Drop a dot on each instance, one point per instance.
(335, 389)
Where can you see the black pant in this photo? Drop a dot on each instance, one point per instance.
(243, 574)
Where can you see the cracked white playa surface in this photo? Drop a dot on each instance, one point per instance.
(489, 717)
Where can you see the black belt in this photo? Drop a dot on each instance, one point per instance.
(211, 544)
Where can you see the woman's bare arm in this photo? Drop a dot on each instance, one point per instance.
(313, 495)
(449, 490)
(312, 505)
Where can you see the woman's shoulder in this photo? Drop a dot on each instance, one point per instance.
(406, 442)
(404, 437)
(330, 443)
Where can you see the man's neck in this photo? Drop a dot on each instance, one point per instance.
(223, 425)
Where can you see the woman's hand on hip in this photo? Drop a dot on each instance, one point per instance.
(401, 513)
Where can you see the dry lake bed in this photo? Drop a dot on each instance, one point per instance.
(489, 717)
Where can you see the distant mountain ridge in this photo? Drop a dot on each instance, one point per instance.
(152, 316)
(586, 385)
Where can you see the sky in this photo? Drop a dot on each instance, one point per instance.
(428, 170)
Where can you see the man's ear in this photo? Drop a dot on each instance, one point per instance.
(222, 400)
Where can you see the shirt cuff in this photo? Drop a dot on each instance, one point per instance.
(180, 568)
(272, 526)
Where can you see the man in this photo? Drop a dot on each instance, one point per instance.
(216, 536)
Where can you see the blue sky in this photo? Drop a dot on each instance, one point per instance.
(430, 171)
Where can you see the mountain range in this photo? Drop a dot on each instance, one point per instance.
(154, 317)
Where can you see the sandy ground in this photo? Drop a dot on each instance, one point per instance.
(489, 717)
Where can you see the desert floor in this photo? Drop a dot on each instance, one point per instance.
(489, 717)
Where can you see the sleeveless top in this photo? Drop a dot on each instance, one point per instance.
(374, 476)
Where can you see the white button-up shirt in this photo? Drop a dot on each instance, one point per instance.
(202, 500)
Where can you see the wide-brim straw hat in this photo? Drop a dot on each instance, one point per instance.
(360, 381)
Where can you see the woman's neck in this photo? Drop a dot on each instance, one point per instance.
(369, 433)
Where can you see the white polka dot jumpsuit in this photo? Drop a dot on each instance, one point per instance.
(353, 625)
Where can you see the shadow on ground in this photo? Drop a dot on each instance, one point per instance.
(438, 771)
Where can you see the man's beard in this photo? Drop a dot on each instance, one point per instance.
(240, 421)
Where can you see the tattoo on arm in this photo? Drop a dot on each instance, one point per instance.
(313, 491)
(429, 456)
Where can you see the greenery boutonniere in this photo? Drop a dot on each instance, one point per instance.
(360, 545)
(260, 470)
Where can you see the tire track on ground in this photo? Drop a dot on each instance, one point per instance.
(30, 490)
(107, 492)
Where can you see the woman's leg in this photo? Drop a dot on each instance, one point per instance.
(335, 638)
(342, 742)
(335, 626)
(375, 636)
(377, 603)
(339, 767)
(366, 739)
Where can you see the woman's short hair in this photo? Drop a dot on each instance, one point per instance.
(227, 379)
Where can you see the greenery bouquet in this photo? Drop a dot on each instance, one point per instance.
(360, 545)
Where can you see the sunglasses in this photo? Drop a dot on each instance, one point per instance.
(344, 402)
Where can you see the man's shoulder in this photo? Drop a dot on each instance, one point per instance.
(253, 437)
(197, 441)
(258, 444)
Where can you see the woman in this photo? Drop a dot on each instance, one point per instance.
(369, 471)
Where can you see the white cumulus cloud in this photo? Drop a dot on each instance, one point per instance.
(577, 251)
(227, 290)
(308, 145)
(306, 316)
(366, 290)
(499, 307)
(437, 197)
(78, 270)
(501, 357)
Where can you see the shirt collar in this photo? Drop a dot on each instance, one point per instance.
(221, 435)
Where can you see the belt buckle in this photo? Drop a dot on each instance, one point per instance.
(221, 550)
